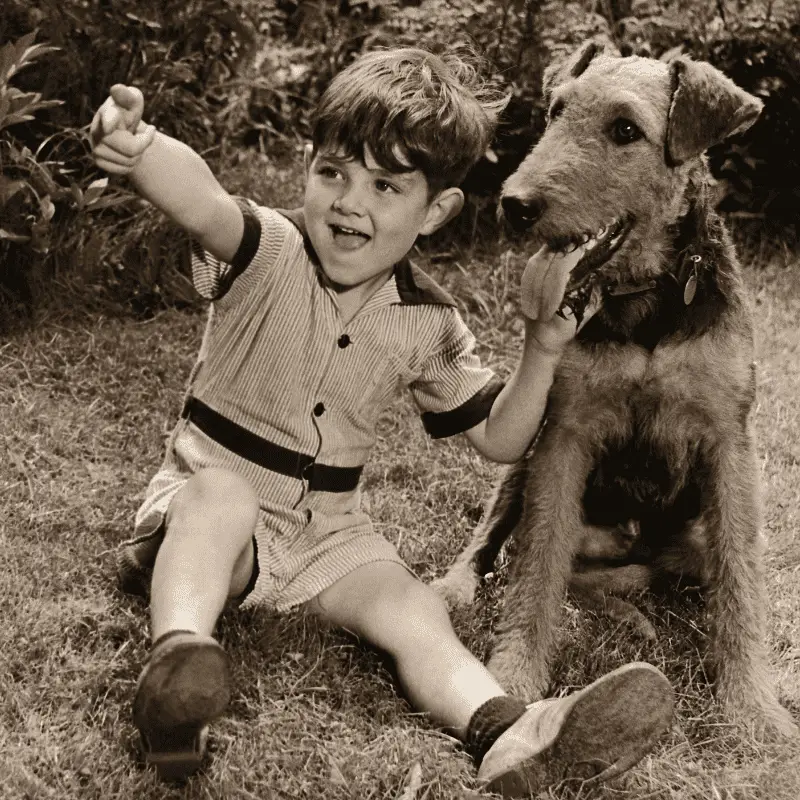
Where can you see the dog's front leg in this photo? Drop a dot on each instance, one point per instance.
(541, 563)
(504, 509)
(738, 600)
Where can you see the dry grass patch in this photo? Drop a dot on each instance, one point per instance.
(86, 405)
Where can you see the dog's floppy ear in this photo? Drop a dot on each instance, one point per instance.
(570, 67)
(706, 108)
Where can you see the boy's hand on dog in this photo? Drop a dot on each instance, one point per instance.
(119, 137)
(542, 288)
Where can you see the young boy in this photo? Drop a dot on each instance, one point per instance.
(317, 321)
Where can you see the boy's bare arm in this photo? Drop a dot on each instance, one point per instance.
(518, 410)
(166, 172)
(175, 179)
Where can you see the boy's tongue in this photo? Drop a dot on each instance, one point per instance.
(347, 238)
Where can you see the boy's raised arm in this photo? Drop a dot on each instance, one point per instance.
(166, 172)
(519, 409)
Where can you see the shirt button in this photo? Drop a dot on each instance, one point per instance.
(319, 409)
(344, 340)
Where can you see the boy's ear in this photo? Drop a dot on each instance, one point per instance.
(442, 209)
(308, 156)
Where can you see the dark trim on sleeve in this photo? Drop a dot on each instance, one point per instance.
(248, 246)
(441, 424)
(417, 288)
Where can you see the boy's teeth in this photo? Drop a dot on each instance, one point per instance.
(350, 231)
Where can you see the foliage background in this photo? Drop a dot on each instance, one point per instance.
(236, 79)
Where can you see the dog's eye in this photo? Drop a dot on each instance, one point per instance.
(555, 110)
(623, 131)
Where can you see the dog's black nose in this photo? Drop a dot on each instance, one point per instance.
(522, 213)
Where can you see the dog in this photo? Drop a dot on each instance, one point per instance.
(647, 427)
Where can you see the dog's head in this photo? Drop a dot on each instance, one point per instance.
(623, 139)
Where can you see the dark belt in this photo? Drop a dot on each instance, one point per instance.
(246, 444)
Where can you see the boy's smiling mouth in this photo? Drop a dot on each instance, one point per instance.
(348, 238)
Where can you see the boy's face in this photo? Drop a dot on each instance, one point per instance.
(362, 219)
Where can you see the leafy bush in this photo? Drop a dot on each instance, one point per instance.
(185, 55)
(37, 190)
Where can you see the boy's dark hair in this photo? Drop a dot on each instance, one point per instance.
(413, 107)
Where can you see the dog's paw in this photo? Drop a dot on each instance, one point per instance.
(619, 610)
(456, 587)
(763, 717)
(783, 724)
(645, 629)
(773, 722)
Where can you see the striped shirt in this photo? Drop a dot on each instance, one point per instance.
(278, 361)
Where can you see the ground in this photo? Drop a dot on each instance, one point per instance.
(86, 403)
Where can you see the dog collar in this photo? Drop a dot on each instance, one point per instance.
(620, 289)
(687, 281)
(685, 278)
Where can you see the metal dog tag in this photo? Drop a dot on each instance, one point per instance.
(690, 288)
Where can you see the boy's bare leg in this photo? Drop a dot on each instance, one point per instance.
(392, 610)
(593, 734)
(206, 556)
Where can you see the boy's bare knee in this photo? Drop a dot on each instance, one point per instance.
(419, 614)
(429, 603)
(387, 606)
(214, 498)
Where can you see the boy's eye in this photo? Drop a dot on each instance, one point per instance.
(384, 186)
(327, 171)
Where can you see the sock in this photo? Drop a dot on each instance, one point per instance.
(489, 721)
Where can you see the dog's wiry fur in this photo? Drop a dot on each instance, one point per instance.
(647, 441)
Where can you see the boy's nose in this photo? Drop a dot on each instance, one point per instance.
(350, 200)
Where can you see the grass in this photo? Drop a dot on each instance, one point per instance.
(86, 403)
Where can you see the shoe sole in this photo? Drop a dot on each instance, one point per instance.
(611, 725)
(184, 686)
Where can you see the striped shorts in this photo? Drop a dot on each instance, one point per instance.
(305, 540)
